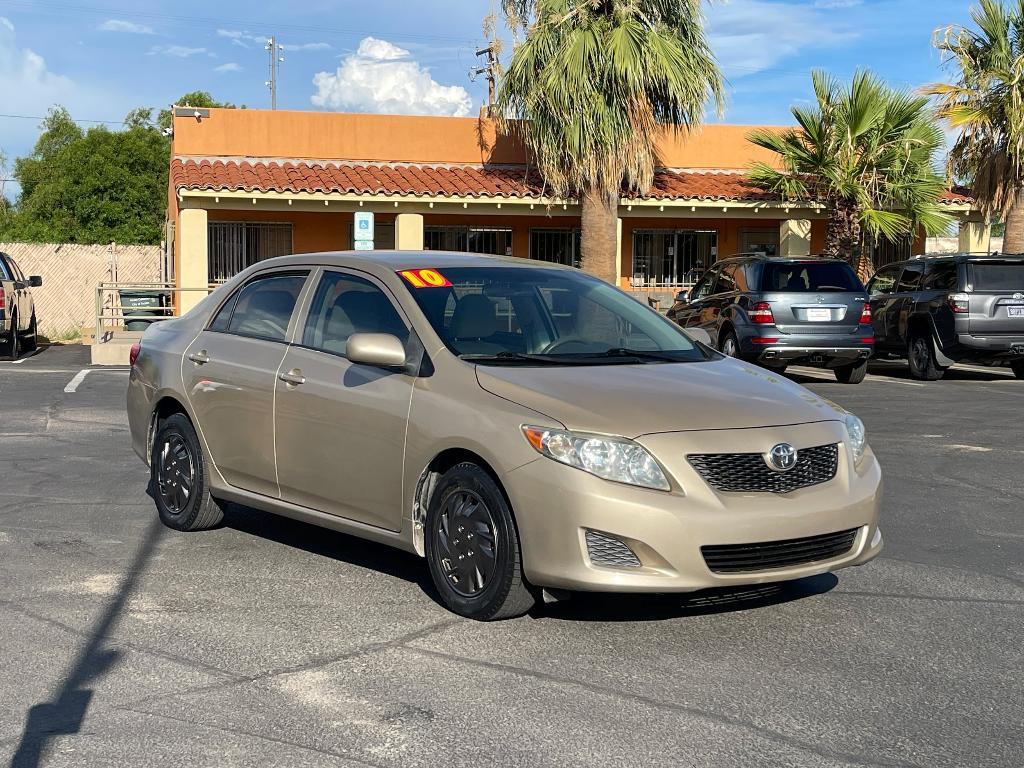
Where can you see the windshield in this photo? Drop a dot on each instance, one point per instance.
(809, 277)
(998, 276)
(543, 316)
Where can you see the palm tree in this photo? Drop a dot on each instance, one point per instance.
(987, 103)
(590, 89)
(868, 153)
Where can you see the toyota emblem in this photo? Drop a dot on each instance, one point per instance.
(782, 458)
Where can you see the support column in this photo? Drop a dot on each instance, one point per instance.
(195, 256)
(409, 232)
(974, 237)
(618, 251)
(795, 237)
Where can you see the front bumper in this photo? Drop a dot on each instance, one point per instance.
(556, 505)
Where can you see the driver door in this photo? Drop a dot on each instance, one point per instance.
(691, 314)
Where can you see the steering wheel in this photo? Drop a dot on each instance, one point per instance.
(566, 341)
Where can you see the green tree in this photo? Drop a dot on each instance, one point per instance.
(986, 102)
(869, 153)
(590, 90)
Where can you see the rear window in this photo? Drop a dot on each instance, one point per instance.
(1007, 276)
(809, 277)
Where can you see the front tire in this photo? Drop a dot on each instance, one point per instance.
(472, 547)
(180, 478)
(852, 374)
(921, 356)
(1017, 366)
(32, 337)
(12, 349)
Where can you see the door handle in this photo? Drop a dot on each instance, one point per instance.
(293, 378)
(199, 358)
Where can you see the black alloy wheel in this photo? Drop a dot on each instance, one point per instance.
(921, 357)
(472, 547)
(176, 474)
(180, 481)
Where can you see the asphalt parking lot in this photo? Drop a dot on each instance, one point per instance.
(271, 643)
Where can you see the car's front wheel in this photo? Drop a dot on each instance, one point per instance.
(12, 348)
(1017, 367)
(852, 374)
(180, 479)
(32, 337)
(472, 547)
(921, 355)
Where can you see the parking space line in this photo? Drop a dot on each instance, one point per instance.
(78, 379)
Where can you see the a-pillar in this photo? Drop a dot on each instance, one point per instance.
(795, 237)
(194, 266)
(409, 232)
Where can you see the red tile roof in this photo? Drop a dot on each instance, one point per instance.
(438, 181)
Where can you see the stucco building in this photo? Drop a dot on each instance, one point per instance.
(247, 185)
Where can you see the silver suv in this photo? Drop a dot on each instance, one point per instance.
(783, 311)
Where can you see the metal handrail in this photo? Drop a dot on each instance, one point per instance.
(110, 314)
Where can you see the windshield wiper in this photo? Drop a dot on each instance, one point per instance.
(641, 354)
(507, 356)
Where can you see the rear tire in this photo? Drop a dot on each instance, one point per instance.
(1017, 366)
(921, 355)
(852, 374)
(730, 344)
(472, 547)
(12, 348)
(180, 478)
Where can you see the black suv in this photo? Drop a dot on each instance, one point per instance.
(783, 311)
(940, 310)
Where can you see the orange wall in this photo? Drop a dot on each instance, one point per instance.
(407, 139)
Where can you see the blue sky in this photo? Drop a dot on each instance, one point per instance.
(101, 58)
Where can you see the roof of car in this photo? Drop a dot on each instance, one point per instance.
(400, 260)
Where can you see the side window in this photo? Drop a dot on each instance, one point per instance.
(910, 280)
(727, 282)
(223, 317)
(4, 274)
(884, 281)
(264, 306)
(940, 276)
(16, 272)
(344, 305)
(704, 288)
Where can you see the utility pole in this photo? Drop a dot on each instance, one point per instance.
(492, 69)
(276, 58)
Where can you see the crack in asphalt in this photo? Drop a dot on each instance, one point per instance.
(671, 707)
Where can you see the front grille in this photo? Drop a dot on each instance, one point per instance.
(769, 555)
(610, 552)
(749, 472)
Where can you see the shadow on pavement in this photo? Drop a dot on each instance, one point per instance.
(64, 713)
(619, 607)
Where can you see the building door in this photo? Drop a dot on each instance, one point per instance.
(763, 241)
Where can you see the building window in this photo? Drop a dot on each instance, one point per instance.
(496, 241)
(672, 258)
(558, 246)
(236, 245)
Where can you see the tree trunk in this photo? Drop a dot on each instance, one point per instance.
(843, 232)
(1013, 241)
(600, 236)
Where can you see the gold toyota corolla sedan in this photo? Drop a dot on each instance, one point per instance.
(521, 426)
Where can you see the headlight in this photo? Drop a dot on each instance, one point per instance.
(858, 438)
(611, 458)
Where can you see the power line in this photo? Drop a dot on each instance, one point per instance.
(74, 120)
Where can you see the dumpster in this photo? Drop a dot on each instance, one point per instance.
(143, 306)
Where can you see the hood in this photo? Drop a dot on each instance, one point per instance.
(635, 400)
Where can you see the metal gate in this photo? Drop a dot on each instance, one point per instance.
(672, 258)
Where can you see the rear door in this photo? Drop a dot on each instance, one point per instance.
(813, 297)
(996, 290)
(230, 372)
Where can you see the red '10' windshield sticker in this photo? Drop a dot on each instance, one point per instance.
(425, 278)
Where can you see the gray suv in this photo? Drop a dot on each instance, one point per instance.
(783, 311)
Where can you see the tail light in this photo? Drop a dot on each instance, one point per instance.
(761, 314)
(3, 298)
(133, 355)
(865, 314)
(960, 303)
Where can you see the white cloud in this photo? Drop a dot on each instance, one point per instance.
(832, 4)
(306, 47)
(228, 67)
(381, 77)
(178, 51)
(750, 36)
(118, 25)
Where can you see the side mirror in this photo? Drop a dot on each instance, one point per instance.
(35, 281)
(683, 297)
(378, 349)
(699, 334)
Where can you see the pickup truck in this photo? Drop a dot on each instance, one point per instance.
(17, 309)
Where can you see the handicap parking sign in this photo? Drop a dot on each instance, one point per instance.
(363, 230)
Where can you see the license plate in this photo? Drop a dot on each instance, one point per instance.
(1015, 311)
(1017, 349)
(821, 315)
